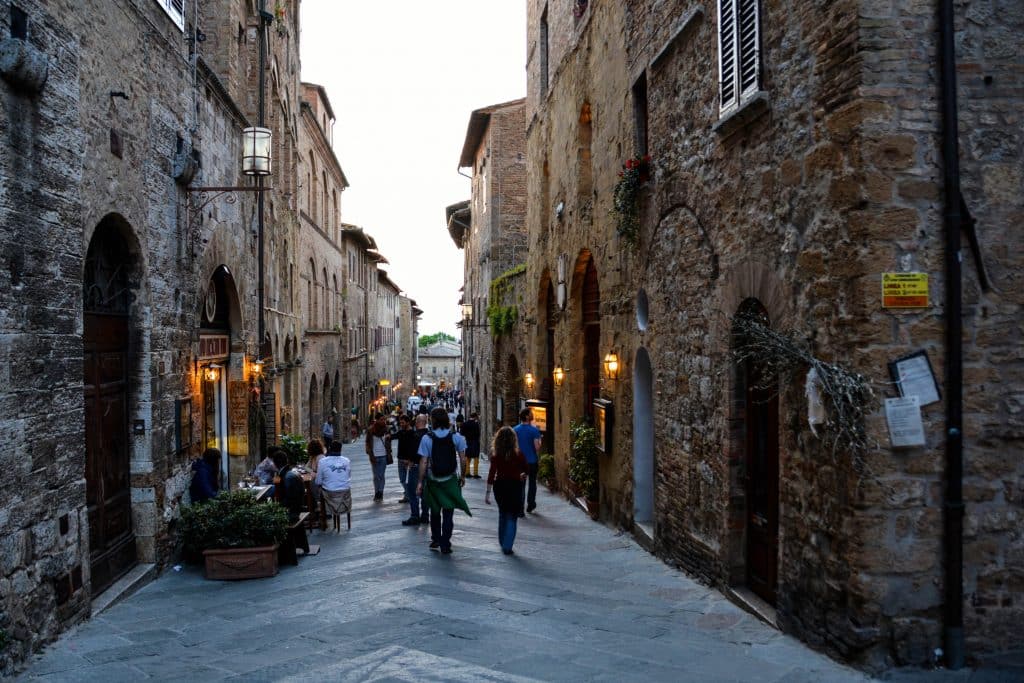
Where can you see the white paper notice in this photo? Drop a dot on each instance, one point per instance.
(916, 379)
(904, 417)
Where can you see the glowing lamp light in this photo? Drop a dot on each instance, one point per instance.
(611, 366)
(256, 368)
(559, 376)
(211, 373)
(528, 378)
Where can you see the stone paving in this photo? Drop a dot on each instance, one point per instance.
(577, 602)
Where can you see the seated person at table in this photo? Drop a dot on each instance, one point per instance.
(293, 490)
(205, 476)
(266, 470)
(333, 477)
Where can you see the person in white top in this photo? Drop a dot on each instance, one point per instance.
(333, 476)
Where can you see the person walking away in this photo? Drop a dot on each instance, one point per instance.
(408, 467)
(507, 475)
(378, 449)
(529, 443)
(334, 479)
(471, 432)
(205, 476)
(327, 431)
(441, 478)
(421, 431)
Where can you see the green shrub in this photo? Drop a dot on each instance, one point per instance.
(295, 446)
(546, 468)
(583, 458)
(234, 519)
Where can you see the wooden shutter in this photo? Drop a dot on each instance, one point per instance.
(748, 40)
(727, 52)
(739, 50)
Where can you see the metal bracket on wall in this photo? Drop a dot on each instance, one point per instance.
(206, 195)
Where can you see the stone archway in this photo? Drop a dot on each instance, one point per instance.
(643, 442)
(109, 330)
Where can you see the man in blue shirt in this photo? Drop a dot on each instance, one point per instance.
(442, 457)
(529, 443)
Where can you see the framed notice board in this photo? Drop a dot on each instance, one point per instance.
(182, 425)
(540, 413)
(603, 423)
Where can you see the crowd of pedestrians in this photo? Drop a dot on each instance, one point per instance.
(435, 453)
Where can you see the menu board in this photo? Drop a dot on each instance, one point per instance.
(238, 418)
(269, 402)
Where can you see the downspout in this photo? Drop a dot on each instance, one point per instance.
(954, 505)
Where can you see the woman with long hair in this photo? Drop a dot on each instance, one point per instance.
(507, 475)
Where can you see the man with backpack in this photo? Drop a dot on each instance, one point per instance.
(442, 475)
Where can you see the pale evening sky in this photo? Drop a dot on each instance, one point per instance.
(403, 77)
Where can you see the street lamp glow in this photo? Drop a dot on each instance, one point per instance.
(611, 366)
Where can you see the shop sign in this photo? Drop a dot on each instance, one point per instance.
(540, 413)
(214, 346)
(905, 290)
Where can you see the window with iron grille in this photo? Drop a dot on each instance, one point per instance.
(175, 10)
(739, 48)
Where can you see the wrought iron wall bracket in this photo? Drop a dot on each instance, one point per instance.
(206, 195)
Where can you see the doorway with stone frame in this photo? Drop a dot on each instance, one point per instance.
(110, 280)
(643, 445)
(754, 475)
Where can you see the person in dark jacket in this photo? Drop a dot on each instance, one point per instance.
(293, 490)
(205, 476)
(471, 431)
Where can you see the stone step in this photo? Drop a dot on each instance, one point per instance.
(139, 576)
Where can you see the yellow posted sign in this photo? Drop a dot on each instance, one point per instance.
(905, 290)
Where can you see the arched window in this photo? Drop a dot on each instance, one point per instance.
(336, 302)
(311, 295)
(326, 302)
(312, 187)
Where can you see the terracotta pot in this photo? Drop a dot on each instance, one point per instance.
(227, 564)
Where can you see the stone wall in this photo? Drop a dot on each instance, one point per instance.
(44, 551)
(829, 178)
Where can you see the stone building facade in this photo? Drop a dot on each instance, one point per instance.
(441, 366)
(785, 179)
(491, 230)
(128, 303)
(408, 346)
(323, 261)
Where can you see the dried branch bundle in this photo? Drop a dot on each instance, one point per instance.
(782, 355)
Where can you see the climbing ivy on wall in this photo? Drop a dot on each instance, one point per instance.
(502, 317)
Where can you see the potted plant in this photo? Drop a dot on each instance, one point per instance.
(583, 464)
(626, 197)
(236, 535)
(295, 446)
(546, 470)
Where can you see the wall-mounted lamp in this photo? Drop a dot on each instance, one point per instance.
(528, 379)
(467, 311)
(211, 373)
(256, 151)
(256, 368)
(611, 366)
(559, 376)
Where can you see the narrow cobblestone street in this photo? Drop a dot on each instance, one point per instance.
(577, 602)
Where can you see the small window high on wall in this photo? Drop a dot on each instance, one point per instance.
(640, 115)
(544, 52)
(739, 47)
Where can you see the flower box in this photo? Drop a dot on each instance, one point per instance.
(229, 564)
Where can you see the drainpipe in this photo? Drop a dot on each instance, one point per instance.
(954, 504)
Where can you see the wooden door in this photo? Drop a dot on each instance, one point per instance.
(107, 469)
(762, 465)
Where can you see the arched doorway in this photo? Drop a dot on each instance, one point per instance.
(313, 427)
(591, 319)
(219, 315)
(546, 336)
(756, 400)
(643, 442)
(513, 392)
(107, 335)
